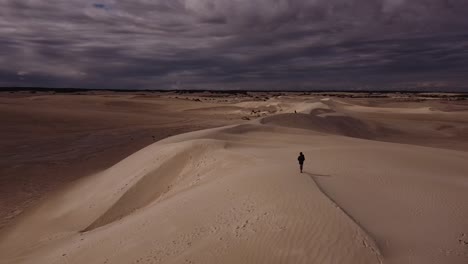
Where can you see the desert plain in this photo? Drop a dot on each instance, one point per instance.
(174, 177)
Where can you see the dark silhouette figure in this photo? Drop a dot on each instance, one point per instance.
(301, 160)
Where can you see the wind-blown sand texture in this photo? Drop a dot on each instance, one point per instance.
(384, 183)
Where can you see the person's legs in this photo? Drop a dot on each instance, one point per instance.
(300, 165)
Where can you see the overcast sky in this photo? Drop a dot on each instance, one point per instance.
(235, 44)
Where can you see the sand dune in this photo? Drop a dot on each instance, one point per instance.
(235, 195)
(48, 141)
(421, 110)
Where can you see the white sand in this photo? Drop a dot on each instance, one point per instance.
(420, 110)
(235, 195)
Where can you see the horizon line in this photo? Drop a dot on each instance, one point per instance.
(73, 89)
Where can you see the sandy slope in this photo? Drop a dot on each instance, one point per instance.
(235, 195)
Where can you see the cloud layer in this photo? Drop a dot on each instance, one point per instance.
(235, 44)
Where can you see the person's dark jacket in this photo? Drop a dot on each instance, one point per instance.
(301, 159)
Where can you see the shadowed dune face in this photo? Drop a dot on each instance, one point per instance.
(402, 123)
(337, 125)
(422, 123)
(234, 194)
(162, 175)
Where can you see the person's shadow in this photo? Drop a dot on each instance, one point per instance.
(316, 175)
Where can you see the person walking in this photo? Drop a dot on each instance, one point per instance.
(301, 160)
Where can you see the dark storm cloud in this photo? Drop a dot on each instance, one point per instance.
(231, 44)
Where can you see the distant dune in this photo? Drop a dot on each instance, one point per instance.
(383, 183)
